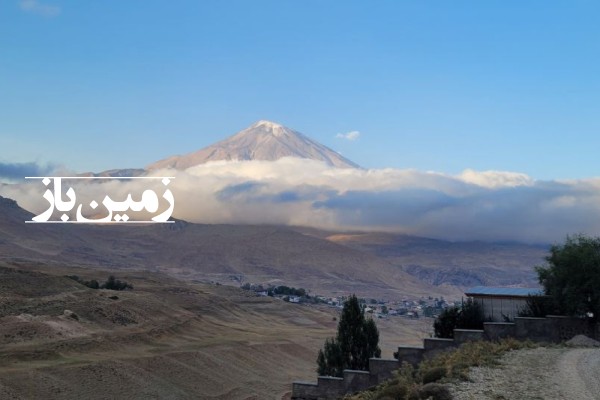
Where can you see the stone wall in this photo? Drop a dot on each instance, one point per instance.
(353, 381)
(468, 335)
(552, 329)
(567, 327)
(498, 330)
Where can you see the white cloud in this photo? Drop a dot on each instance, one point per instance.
(352, 135)
(492, 179)
(488, 205)
(36, 7)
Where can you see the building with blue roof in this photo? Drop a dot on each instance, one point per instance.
(500, 304)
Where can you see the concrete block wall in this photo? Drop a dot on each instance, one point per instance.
(498, 330)
(306, 391)
(353, 381)
(410, 354)
(382, 369)
(434, 346)
(549, 329)
(534, 329)
(468, 335)
(567, 327)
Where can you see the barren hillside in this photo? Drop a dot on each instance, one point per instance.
(257, 254)
(164, 339)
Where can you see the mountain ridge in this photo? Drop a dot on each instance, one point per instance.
(263, 140)
(260, 253)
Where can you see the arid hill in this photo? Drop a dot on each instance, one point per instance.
(440, 262)
(461, 264)
(166, 338)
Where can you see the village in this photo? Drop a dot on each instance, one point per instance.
(429, 306)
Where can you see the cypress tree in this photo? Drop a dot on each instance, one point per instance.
(356, 341)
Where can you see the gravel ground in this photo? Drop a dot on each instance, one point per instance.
(540, 374)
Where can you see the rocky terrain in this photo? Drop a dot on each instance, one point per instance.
(559, 373)
(461, 264)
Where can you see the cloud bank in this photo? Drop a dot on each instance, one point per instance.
(18, 171)
(488, 205)
(351, 136)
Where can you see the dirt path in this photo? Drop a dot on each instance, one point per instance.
(540, 374)
(580, 373)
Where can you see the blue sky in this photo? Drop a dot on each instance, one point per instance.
(438, 85)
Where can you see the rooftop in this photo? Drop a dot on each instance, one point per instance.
(503, 291)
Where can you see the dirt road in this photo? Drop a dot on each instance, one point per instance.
(541, 373)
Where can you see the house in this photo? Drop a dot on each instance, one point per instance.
(501, 304)
(294, 299)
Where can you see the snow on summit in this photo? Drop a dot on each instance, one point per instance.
(263, 140)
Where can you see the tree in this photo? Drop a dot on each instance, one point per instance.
(468, 316)
(445, 323)
(537, 306)
(571, 276)
(356, 341)
(114, 284)
(330, 360)
(471, 315)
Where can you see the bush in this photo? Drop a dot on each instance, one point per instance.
(468, 316)
(433, 391)
(434, 375)
(445, 323)
(114, 284)
(394, 392)
(289, 291)
(537, 306)
(111, 283)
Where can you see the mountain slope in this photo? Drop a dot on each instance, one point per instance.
(165, 339)
(263, 140)
(222, 253)
(460, 264)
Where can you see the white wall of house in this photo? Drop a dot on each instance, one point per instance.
(495, 308)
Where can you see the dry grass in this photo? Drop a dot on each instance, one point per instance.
(165, 339)
(427, 379)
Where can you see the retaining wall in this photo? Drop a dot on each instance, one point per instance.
(353, 381)
(552, 329)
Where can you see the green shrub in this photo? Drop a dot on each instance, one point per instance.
(393, 392)
(446, 322)
(571, 276)
(537, 306)
(434, 374)
(433, 391)
(468, 316)
(111, 283)
(114, 284)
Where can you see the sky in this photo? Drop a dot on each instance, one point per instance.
(430, 86)
(473, 120)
